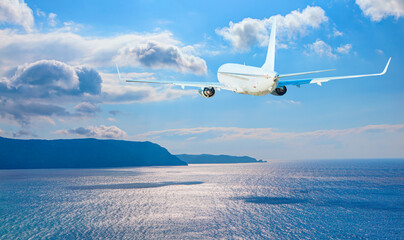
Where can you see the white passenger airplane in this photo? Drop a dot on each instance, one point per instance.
(254, 80)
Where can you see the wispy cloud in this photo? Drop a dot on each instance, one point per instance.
(284, 102)
(337, 33)
(235, 133)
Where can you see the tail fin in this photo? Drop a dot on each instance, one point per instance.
(269, 64)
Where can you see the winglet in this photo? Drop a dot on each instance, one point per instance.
(385, 68)
(119, 74)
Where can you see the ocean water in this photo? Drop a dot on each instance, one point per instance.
(357, 199)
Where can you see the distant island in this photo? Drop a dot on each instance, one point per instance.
(82, 153)
(208, 158)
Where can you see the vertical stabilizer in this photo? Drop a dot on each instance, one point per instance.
(269, 64)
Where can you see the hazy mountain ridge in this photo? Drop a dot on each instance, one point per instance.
(208, 158)
(82, 153)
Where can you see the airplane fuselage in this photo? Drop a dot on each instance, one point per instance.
(249, 80)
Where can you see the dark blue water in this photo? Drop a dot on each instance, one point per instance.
(358, 199)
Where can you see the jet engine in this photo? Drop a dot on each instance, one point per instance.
(279, 91)
(207, 92)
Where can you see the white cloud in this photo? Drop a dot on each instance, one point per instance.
(33, 88)
(52, 21)
(284, 102)
(115, 92)
(379, 51)
(371, 141)
(40, 13)
(41, 89)
(16, 12)
(50, 78)
(86, 108)
(344, 49)
(337, 33)
(234, 133)
(246, 33)
(96, 132)
(153, 54)
(379, 9)
(44, 88)
(249, 31)
(319, 47)
(154, 50)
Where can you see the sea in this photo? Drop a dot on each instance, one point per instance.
(322, 199)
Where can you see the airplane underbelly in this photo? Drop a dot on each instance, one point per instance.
(247, 85)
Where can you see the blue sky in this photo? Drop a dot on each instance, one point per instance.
(57, 75)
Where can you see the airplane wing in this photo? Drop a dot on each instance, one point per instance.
(180, 83)
(185, 84)
(319, 81)
(302, 73)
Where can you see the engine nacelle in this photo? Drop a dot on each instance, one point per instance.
(207, 92)
(279, 91)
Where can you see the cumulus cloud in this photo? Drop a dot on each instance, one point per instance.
(249, 31)
(379, 9)
(43, 75)
(319, 47)
(159, 55)
(96, 132)
(52, 21)
(89, 80)
(155, 51)
(86, 108)
(246, 33)
(44, 88)
(344, 49)
(16, 12)
(39, 89)
(50, 78)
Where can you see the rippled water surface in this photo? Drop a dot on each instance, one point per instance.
(361, 199)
